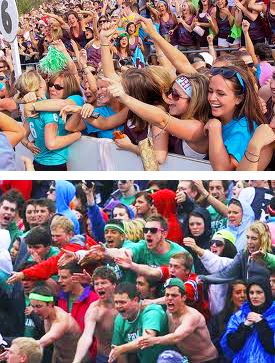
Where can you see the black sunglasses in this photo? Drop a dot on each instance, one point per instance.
(122, 181)
(56, 86)
(102, 21)
(153, 230)
(2, 78)
(175, 95)
(51, 190)
(228, 74)
(250, 65)
(218, 243)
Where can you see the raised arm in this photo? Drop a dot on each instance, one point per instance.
(176, 57)
(86, 338)
(191, 130)
(106, 57)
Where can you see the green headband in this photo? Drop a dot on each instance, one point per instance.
(39, 297)
(114, 226)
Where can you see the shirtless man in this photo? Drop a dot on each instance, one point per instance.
(61, 329)
(186, 325)
(99, 318)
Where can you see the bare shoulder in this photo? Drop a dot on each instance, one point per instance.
(192, 316)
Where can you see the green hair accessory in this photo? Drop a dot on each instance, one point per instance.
(39, 297)
(124, 35)
(55, 61)
(114, 226)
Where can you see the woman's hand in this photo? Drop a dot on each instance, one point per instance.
(87, 110)
(29, 112)
(83, 58)
(212, 124)
(190, 242)
(116, 89)
(124, 143)
(263, 135)
(30, 97)
(253, 318)
(33, 148)
(108, 29)
(69, 109)
(147, 26)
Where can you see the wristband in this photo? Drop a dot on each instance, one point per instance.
(33, 105)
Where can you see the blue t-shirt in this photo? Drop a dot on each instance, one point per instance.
(37, 128)
(104, 111)
(236, 136)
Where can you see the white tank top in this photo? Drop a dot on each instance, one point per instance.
(190, 153)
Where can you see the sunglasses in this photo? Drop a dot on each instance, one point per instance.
(153, 230)
(102, 21)
(51, 190)
(122, 181)
(175, 95)
(250, 65)
(216, 242)
(228, 74)
(2, 78)
(56, 86)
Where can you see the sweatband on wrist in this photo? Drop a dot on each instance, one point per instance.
(114, 226)
(39, 297)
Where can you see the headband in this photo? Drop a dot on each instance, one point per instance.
(39, 297)
(114, 226)
(185, 85)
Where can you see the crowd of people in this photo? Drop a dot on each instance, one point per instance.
(137, 271)
(193, 78)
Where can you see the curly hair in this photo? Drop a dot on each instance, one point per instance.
(263, 232)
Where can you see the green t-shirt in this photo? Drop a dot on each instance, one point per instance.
(122, 274)
(152, 317)
(142, 255)
(29, 323)
(127, 200)
(218, 221)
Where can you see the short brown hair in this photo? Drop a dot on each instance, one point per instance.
(71, 86)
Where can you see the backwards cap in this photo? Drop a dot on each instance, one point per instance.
(175, 282)
(224, 233)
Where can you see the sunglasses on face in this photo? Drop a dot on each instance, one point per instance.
(152, 230)
(2, 78)
(122, 181)
(102, 21)
(216, 242)
(250, 65)
(56, 86)
(175, 95)
(51, 190)
(228, 74)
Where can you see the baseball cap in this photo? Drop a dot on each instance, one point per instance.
(175, 282)
(171, 356)
(224, 233)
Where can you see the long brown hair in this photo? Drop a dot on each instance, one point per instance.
(143, 85)
(71, 86)
(249, 105)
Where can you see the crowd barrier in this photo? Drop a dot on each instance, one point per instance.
(103, 155)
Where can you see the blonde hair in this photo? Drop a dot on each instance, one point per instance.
(29, 81)
(29, 348)
(63, 222)
(198, 107)
(134, 229)
(71, 86)
(162, 77)
(263, 232)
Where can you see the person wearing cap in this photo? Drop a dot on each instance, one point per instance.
(221, 253)
(246, 264)
(61, 328)
(187, 326)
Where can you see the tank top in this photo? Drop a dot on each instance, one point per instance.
(180, 147)
(223, 25)
(165, 27)
(133, 46)
(81, 39)
(93, 56)
(256, 31)
(135, 136)
(271, 18)
(184, 38)
(203, 19)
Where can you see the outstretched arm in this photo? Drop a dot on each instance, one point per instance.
(12, 129)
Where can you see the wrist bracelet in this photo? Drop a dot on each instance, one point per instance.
(252, 153)
(251, 161)
(33, 105)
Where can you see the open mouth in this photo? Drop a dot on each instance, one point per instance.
(170, 306)
(101, 293)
